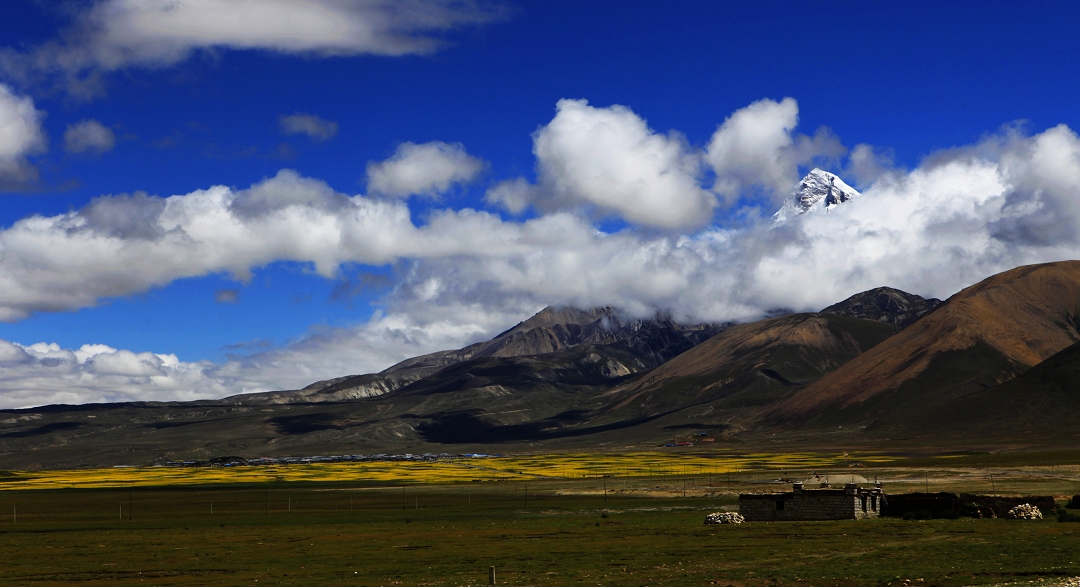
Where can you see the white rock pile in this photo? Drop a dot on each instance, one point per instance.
(724, 518)
(1025, 511)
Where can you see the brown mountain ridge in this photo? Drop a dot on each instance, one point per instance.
(982, 336)
(982, 368)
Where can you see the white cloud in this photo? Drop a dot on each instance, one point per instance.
(1007, 201)
(113, 34)
(956, 218)
(866, 165)
(88, 135)
(20, 135)
(747, 148)
(45, 373)
(755, 148)
(119, 245)
(609, 159)
(12, 354)
(315, 128)
(513, 195)
(429, 169)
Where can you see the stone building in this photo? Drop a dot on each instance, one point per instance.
(849, 503)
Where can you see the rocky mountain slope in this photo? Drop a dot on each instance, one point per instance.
(727, 380)
(885, 304)
(818, 191)
(993, 364)
(650, 341)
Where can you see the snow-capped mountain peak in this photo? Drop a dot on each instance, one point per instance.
(819, 190)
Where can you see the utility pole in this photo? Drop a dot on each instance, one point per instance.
(129, 506)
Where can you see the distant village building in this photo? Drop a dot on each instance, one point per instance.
(849, 503)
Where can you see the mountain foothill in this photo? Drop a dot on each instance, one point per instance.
(996, 365)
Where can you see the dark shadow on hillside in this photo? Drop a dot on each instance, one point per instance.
(777, 377)
(305, 423)
(164, 425)
(716, 427)
(44, 429)
(469, 427)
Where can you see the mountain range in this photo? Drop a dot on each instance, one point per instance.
(997, 364)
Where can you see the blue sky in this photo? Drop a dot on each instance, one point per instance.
(948, 116)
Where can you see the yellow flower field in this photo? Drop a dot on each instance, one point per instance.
(521, 467)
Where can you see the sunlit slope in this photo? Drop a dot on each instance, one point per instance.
(747, 367)
(984, 335)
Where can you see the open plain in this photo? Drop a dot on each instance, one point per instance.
(597, 525)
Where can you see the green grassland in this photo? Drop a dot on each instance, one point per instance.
(609, 530)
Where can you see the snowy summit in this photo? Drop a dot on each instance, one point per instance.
(819, 190)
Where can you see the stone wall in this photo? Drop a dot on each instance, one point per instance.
(938, 505)
(948, 505)
(850, 503)
(1000, 505)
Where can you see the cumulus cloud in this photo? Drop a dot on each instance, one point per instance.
(866, 164)
(464, 275)
(429, 169)
(20, 135)
(315, 128)
(610, 160)
(88, 135)
(959, 217)
(756, 148)
(45, 373)
(513, 195)
(119, 245)
(108, 35)
(1009, 200)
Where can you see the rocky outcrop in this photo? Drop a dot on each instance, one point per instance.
(885, 304)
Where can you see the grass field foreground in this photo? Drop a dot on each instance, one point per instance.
(552, 520)
(450, 535)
